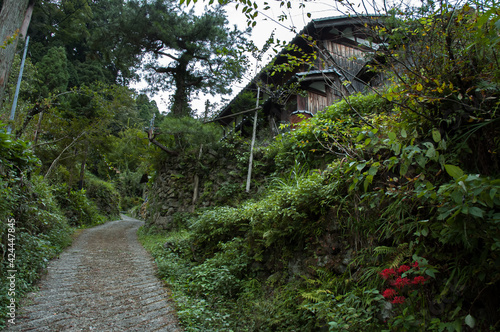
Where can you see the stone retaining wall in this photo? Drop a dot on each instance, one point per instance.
(185, 183)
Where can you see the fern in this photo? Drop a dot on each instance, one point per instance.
(403, 252)
(382, 250)
(396, 254)
(316, 296)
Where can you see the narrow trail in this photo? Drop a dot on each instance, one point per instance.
(104, 282)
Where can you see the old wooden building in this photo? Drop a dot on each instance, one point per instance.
(342, 50)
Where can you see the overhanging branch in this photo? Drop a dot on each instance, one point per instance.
(151, 138)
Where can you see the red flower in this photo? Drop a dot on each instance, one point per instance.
(389, 293)
(403, 268)
(415, 265)
(387, 273)
(398, 300)
(419, 280)
(401, 282)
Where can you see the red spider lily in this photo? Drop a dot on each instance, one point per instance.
(398, 300)
(401, 282)
(389, 293)
(403, 268)
(387, 273)
(419, 280)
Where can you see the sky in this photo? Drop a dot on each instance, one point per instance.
(267, 22)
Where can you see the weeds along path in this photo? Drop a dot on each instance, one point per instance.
(104, 282)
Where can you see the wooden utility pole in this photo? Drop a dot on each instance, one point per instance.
(196, 181)
(250, 162)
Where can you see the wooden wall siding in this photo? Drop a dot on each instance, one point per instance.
(316, 102)
(336, 90)
(301, 103)
(333, 95)
(347, 57)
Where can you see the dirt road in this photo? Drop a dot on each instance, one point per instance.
(104, 282)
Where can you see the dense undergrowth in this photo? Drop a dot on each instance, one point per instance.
(38, 217)
(380, 213)
(373, 221)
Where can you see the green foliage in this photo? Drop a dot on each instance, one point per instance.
(377, 181)
(104, 195)
(230, 194)
(342, 305)
(330, 135)
(456, 76)
(85, 31)
(52, 72)
(128, 150)
(186, 135)
(243, 102)
(216, 295)
(77, 207)
(39, 229)
(219, 276)
(388, 190)
(130, 189)
(354, 310)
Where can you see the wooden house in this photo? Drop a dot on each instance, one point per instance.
(343, 51)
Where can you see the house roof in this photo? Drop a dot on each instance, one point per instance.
(313, 28)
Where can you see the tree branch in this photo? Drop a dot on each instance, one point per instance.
(164, 70)
(151, 138)
(62, 152)
(51, 142)
(167, 55)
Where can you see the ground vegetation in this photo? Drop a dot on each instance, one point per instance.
(382, 213)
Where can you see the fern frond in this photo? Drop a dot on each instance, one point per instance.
(383, 250)
(316, 296)
(403, 252)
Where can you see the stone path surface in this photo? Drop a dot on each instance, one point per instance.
(104, 282)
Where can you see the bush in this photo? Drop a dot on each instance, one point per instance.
(104, 195)
(78, 208)
(392, 192)
(130, 188)
(40, 233)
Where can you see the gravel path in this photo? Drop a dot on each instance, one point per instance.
(104, 282)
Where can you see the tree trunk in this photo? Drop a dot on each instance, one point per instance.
(12, 16)
(180, 105)
(27, 19)
(37, 130)
(82, 169)
(71, 175)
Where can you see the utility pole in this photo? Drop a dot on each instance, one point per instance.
(250, 162)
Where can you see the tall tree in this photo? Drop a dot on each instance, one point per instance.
(86, 30)
(185, 52)
(69, 50)
(14, 20)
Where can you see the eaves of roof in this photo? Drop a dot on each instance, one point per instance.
(310, 28)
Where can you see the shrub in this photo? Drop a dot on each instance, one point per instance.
(79, 210)
(40, 229)
(104, 195)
